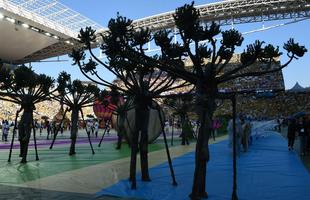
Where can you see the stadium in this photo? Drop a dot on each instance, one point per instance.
(117, 121)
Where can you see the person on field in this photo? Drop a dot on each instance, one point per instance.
(291, 133)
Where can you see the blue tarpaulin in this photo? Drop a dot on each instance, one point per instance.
(267, 172)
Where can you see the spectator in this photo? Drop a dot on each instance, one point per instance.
(303, 135)
(41, 128)
(6, 128)
(96, 126)
(238, 133)
(107, 126)
(246, 132)
(291, 133)
(215, 125)
(62, 128)
(3, 122)
(48, 129)
(121, 131)
(279, 122)
(54, 127)
(89, 127)
(167, 126)
(187, 131)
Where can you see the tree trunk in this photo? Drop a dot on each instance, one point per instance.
(183, 133)
(143, 120)
(120, 121)
(24, 132)
(133, 160)
(205, 109)
(74, 129)
(141, 127)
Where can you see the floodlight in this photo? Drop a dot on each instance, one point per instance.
(10, 20)
(25, 25)
(1, 16)
(35, 29)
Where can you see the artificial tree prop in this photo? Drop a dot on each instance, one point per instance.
(141, 82)
(25, 88)
(14, 133)
(59, 125)
(121, 120)
(182, 104)
(209, 59)
(106, 129)
(72, 148)
(76, 96)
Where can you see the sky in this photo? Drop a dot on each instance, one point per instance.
(102, 11)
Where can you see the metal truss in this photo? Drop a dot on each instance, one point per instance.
(228, 12)
(236, 12)
(57, 49)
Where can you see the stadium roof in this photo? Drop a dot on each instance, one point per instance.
(298, 88)
(33, 30)
(38, 29)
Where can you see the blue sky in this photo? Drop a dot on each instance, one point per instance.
(102, 10)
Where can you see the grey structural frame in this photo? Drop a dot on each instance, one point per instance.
(228, 12)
